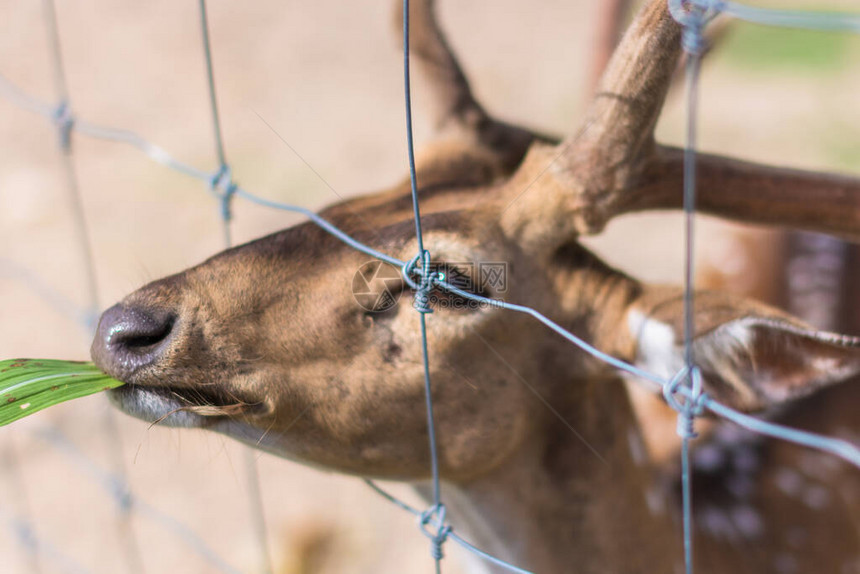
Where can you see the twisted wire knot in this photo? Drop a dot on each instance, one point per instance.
(223, 186)
(65, 122)
(694, 15)
(435, 516)
(122, 494)
(693, 403)
(25, 534)
(426, 279)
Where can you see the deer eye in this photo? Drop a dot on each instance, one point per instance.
(461, 276)
(382, 303)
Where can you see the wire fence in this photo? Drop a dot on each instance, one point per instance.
(683, 392)
(114, 482)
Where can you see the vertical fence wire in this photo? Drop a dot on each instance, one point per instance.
(64, 121)
(693, 66)
(435, 515)
(224, 187)
(693, 16)
(693, 21)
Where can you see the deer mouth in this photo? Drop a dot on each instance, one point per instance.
(181, 406)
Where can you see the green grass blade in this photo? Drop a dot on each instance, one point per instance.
(30, 385)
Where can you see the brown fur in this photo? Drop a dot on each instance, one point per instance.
(539, 446)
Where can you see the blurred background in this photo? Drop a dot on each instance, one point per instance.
(326, 76)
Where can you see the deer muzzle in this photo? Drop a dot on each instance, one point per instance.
(131, 338)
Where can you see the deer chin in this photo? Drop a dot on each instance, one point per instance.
(179, 407)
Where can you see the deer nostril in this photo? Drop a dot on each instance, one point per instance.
(138, 331)
(129, 338)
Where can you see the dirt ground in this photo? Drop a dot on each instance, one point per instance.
(326, 76)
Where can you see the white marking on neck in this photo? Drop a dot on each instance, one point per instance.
(656, 349)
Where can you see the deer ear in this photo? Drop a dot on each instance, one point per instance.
(751, 356)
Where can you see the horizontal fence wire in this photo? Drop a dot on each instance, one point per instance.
(822, 21)
(117, 487)
(682, 386)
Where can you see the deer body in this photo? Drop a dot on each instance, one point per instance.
(540, 448)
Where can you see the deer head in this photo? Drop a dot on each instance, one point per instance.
(267, 343)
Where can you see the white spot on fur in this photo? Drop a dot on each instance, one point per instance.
(819, 467)
(716, 522)
(816, 497)
(789, 481)
(742, 486)
(709, 457)
(748, 521)
(730, 435)
(746, 459)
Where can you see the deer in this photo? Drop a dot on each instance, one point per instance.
(540, 449)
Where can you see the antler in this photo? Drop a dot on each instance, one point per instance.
(612, 165)
(754, 193)
(619, 124)
(453, 104)
(455, 113)
(573, 188)
(610, 25)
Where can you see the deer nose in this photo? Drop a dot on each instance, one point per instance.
(130, 338)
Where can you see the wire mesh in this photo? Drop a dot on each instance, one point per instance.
(682, 391)
(223, 186)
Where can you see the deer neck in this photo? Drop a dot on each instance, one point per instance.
(556, 506)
